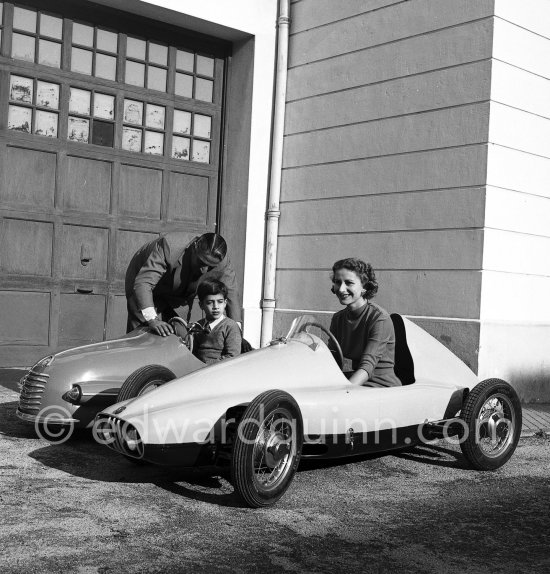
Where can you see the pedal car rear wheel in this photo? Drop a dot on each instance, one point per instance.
(143, 380)
(492, 413)
(267, 448)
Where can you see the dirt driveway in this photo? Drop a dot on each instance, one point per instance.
(78, 507)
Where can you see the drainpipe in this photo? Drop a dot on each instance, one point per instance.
(273, 213)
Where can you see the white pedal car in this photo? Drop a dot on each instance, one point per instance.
(262, 411)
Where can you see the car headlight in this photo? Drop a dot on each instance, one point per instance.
(73, 396)
(43, 363)
(132, 439)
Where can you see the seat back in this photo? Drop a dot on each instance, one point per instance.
(404, 364)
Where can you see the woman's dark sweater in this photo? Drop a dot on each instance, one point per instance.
(367, 337)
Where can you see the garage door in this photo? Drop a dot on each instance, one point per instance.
(110, 131)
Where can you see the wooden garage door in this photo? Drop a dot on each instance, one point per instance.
(110, 133)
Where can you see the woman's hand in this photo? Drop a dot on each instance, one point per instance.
(359, 377)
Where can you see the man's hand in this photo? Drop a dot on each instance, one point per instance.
(160, 327)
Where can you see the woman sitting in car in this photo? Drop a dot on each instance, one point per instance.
(363, 329)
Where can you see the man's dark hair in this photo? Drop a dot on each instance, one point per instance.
(211, 287)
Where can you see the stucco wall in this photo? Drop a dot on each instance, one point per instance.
(385, 157)
(515, 305)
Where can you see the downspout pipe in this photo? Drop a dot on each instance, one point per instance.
(273, 212)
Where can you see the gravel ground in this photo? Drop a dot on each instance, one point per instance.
(80, 508)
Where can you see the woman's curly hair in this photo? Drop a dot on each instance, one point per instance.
(364, 271)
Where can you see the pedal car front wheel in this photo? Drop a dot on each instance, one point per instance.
(267, 448)
(144, 380)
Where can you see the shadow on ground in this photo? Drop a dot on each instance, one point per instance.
(436, 455)
(431, 454)
(11, 425)
(81, 456)
(10, 377)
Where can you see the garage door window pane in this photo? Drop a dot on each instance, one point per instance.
(180, 147)
(49, 53)
(103, 133)
(203, 126)
(20, 119)
(22, 47)
(46, 124)
(184, 85)
(133, 112)
(154, 117)
(135, 73)
(107, 41)
(158, 54)
(182, 122)
(51, 26)
(104, 106)
(156, 78)
(185, 61)
(21, 89)
(105, 67)
(135, 48)
(205, 66)
(24, 19)
(154, 143)
(79, 130)
(81, 61)
(201, 151)
(131, 139)
(83, 35)
(204, 90)
(79, 102)
(47, 95)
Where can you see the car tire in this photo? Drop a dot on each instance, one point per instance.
(143, 380)
(267, 448)
(492, 424)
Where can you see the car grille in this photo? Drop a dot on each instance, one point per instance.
(119, 435)
(32, 389)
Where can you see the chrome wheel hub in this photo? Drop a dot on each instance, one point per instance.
(496, 425)
(274, 450)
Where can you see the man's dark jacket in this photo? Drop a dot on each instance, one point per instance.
(160, 275)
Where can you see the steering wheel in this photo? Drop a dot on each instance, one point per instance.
(182, 330)
(339, 358)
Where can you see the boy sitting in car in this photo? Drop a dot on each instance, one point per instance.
(221, 336)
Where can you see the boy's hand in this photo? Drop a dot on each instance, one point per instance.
(160, 327)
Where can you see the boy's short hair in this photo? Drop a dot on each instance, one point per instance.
(211, 287)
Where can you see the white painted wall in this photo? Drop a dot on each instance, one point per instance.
(515, 302)
(234, 20)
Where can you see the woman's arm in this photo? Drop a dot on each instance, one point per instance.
(359, 377)
(377, 338)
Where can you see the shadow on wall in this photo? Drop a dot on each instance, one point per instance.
(460, 337)
(532, 386)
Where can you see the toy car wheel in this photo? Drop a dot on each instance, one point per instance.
(267, 448)
(144, 380)
(492, 415)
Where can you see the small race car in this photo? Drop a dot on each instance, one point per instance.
(66, 390)
(261, 412)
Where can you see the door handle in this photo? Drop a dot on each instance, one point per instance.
(86, 290)
(85, 255)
